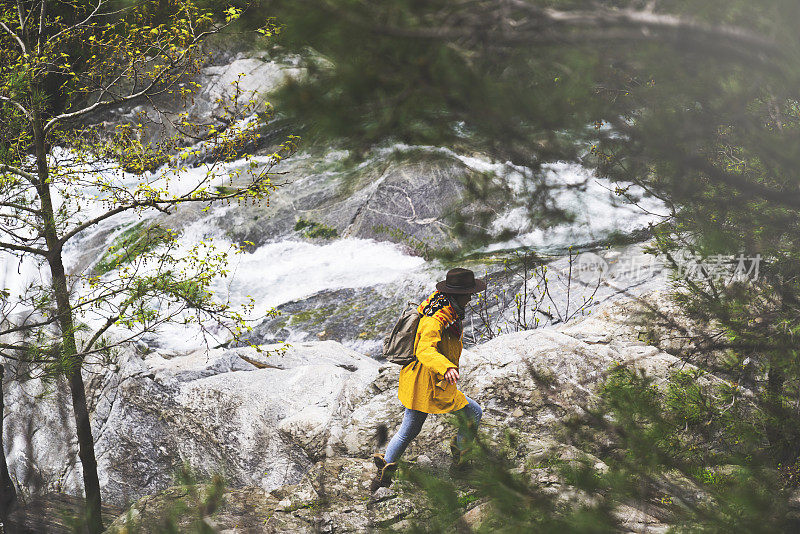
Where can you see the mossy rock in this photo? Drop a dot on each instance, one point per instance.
(314, 229)
(132, 243)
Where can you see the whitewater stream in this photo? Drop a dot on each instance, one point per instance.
(291, 267)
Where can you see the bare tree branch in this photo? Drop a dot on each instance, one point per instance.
(23, 248)
(15, 36)
(21, 17)
(20, 207)
(109, 323)
(18, 105)
(29, 326)
(19, 172)
(24, 23)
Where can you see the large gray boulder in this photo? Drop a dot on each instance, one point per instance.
(415, 199)
(259, 420)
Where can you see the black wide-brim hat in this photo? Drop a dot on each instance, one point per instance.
(461, 281)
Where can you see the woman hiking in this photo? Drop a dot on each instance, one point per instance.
(428, 384)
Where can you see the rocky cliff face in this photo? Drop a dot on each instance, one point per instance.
(275, 425)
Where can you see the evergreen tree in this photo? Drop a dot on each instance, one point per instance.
(696, 102)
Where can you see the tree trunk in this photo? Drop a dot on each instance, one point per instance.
(8, 493)
(777, 425)
(91, 482)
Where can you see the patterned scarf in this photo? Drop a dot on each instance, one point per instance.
(440, 308)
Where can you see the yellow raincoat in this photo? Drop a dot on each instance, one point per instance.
(422, 384)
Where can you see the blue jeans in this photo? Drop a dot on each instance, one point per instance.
(412, 424)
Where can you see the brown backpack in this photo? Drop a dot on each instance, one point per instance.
(398, 346)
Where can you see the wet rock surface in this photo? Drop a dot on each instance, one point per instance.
(360, 318)
(402, 198)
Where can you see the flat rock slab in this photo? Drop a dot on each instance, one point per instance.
(259, 420)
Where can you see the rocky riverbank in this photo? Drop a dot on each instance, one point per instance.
(291, 433)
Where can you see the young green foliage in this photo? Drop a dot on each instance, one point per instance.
(60, 64)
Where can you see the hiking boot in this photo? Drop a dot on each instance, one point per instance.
(460, 462)
(378, 460)
(383, 478)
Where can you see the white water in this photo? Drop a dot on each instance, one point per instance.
(598, 210)
(272, 275)
(291, 269)
(280, 272)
